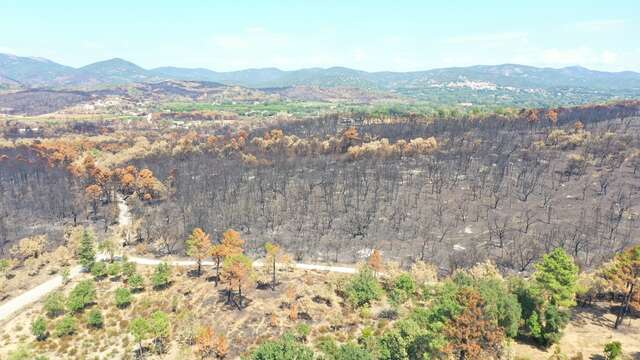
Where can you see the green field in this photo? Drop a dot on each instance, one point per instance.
(247, 109)
(304, 108)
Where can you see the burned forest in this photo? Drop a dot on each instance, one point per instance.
(452, 191)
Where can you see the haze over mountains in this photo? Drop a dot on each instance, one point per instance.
(38, 72)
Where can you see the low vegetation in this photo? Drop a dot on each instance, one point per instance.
(382, 312)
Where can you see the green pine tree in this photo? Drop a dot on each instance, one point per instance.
(557, 275)
(86, 252)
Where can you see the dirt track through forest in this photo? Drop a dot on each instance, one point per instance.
(12, 306)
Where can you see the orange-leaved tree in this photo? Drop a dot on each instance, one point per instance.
(199, 246)
(472, 334)
(230, 245)
(205, 341)
(127, 180)
(552, 115)
(375, 261)
(237, 272)
(147, 183)
(222, 346)
(93, 193)
(624, 273)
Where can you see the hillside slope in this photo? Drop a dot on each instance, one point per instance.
(42, 72)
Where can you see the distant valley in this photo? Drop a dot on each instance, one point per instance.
(485, 85)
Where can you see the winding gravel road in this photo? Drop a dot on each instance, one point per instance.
(257, 263)
(12, 306)
(31, 296)
(28, 297)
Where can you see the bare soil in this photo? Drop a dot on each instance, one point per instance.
(192, 302)
(587, 333)
(195, 301)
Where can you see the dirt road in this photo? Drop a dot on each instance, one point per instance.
(39, 292)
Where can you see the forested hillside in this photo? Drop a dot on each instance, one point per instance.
(454, 191)
(484, 85)
(466, 236)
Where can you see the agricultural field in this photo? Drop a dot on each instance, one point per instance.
(259, 109)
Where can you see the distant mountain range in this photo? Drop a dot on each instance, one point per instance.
(39, 72)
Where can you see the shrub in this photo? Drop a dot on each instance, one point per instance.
(66, 326)
(286, 348)
(82, 295)
(546, 329)
(351, 351)
(346, 351)
(363, 288)
(161, 276)
(4, 265)
(613, 350)
(403, 288)
(555, 320)
(21, 353)
(424, 331)
(366, 313)
(39, 328)
(328, 346)
(99, 269)
(368, 339)
(393, 346)
(95, 318)
(136, 282)
(543, 321)
(128, 269)
(500, 304)
(54, 304)
(66, 275)
(557, 354)
(159, 328)
(139, 328)
(123, 297)
(302, 331)
(114, 269)
(405, 283)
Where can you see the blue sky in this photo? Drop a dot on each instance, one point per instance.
(369, 35)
